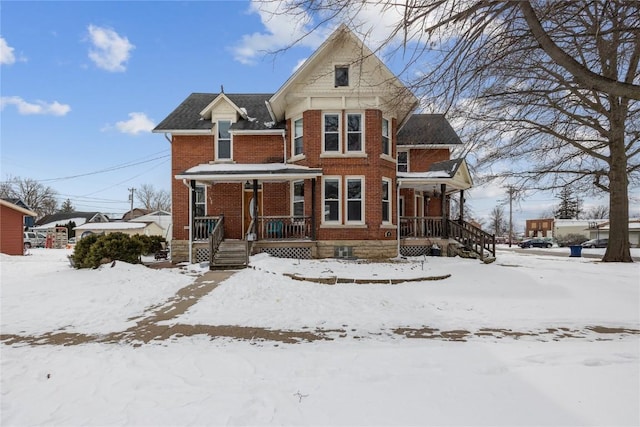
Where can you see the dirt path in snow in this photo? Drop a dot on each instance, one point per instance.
(148, 327)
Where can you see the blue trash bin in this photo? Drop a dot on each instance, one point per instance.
(576, 251)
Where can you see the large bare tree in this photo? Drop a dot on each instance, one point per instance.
(37, 196)
(546, 92)
(153, 199)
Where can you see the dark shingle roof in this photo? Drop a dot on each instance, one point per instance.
(63, 217)
(427, 129)
(187, 115)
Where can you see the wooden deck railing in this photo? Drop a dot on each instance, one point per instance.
(216, 236)
(421, 226)
(283, 227)
(203, 227)
(472, 238)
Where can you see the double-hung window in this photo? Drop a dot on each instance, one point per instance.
(354, 132)
(386, 200)
(331, 132)
(298, 199)
(386, 141)
(355, 199)
(297, 138)
(403, 161)
(223, 140)
(331, 200)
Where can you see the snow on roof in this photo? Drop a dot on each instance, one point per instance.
(243, 167)
(432, 174)
(111, 226)
(78, 221)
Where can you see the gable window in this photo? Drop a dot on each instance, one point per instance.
(331, 199)
(386, 200)
(298, 199)
(403, 161)
(355, 205)
(354, 132)
(341, 75)
(297, 137)
(223, 140)
(386, 141)
(331, 132)
(199, 201)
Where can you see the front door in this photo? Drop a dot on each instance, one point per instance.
(248, 208)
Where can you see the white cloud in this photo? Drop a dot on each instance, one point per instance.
(110, 51)
(39, 107)
(281, 31)
(137, 123)
(6, 53)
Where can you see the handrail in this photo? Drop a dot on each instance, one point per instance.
(421, 226)
(283, 227)
(472, 237)
(216, 236)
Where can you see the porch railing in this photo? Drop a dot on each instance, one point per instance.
(472, 238)
(283, 227)
(421, 226)
(203, 227)
(216, 236)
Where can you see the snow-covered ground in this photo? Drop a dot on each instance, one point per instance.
(368, 374)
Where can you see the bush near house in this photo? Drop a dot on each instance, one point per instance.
(93, 250)
(571, 239)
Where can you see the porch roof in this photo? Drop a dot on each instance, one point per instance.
(240, 172)
(453, 173)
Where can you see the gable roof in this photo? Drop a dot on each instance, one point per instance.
(16, 207)
(187, 116)
(427, 129)
(64, 217)
(388, 82)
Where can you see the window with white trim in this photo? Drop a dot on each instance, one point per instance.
(354, 132)
(297, 199)
(341, 75)
(297, 146)
(355, 199)
(386, 200)
(223, 140)
(331, 194)
(331, 132)
(403, 161)
(199, 201)
(386, 141)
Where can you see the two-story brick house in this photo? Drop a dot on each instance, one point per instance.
(332, 164)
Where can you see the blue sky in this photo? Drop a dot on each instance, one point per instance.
(83, 83)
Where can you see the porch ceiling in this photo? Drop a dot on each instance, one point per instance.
(236, 172)
(453, 173)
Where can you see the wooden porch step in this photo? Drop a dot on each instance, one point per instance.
(231, 254)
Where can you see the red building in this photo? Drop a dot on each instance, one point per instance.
(12, 227)
(334, 163)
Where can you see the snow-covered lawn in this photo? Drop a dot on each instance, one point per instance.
(367, 375)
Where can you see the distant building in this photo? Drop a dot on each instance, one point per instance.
(541, 227)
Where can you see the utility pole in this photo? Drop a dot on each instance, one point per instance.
(131, 200)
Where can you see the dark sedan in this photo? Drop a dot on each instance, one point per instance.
(535, 243)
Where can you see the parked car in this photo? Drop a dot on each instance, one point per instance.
(535, 243)
(32, 239)
(596, 243)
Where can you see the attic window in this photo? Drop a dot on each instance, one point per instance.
(342, 75)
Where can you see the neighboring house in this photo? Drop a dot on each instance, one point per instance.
(602, 232)
(131, 228)
(79, 218)
(540, 227)
(584, 227)
(29, 220)
(12, 227)
(135, 213)
(334, 163)
(162, 218)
